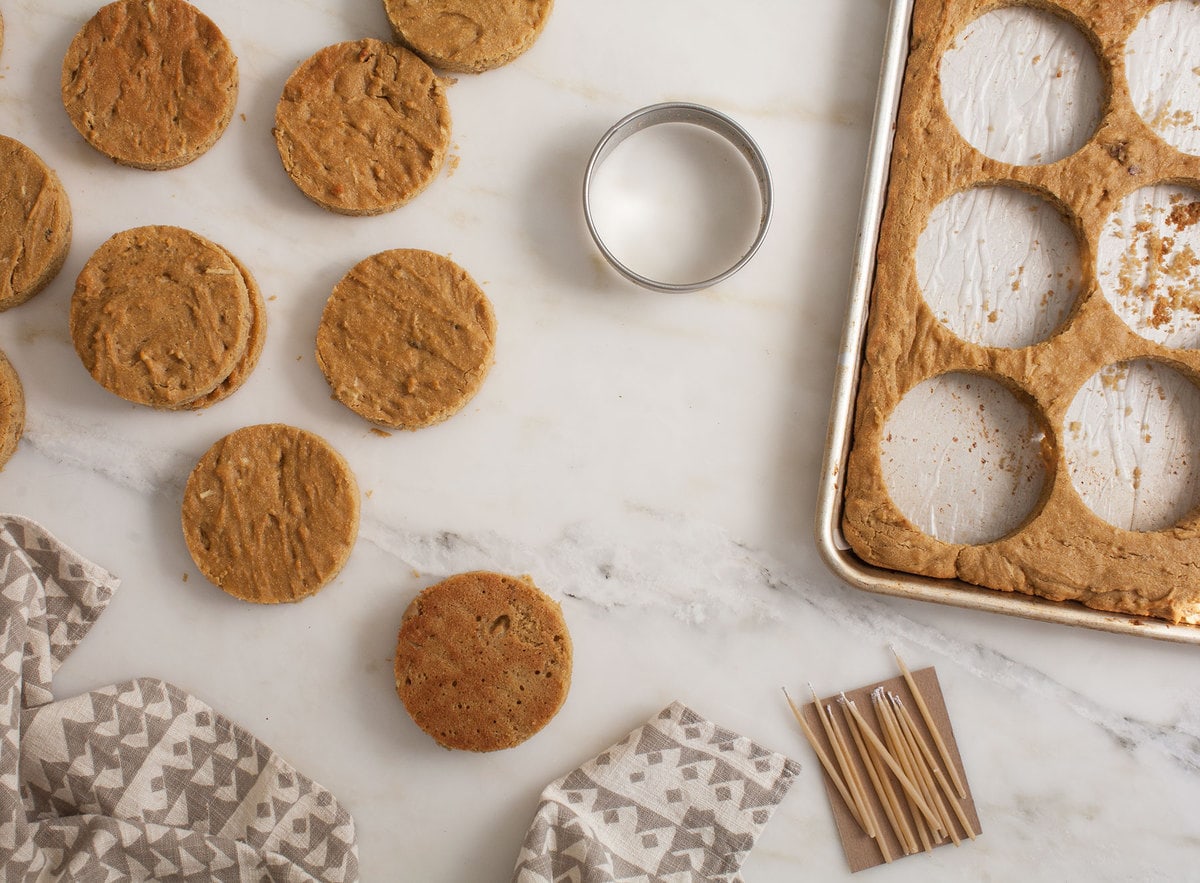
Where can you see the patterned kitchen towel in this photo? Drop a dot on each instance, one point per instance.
(138, 781)
(678, 799)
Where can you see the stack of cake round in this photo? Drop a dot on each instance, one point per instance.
(163, 317)
(1061, 550)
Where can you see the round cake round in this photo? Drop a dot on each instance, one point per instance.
(12, 410)
(150, 83)
(163, 317)
(468, 35)
(270, 513)
(35, 223)
(362, 127)
(406, 339)
(483, 661)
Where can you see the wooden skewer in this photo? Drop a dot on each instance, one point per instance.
(878, 777)
(868, 810)
(937, 773)
(908, 786)
(893, 740)
(931, 790)
(826, 763)
(843, 761)
(928, 718)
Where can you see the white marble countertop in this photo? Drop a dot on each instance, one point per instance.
(650, 459)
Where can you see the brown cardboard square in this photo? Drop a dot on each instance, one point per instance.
(861, 851)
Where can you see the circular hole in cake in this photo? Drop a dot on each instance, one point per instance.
(1023, 85)
(1149, 263)
(999, 266)
(1132, 442)
(1162, 63)
(962, 458)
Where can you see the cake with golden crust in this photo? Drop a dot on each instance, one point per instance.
(12, 410)
(150, 83)
(161, 316)
(406, 338)
(270, 513)
(362, 127)
(35, 223)
(468, 35)
(1063, 551)
(483, 661)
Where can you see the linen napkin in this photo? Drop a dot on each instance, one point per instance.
(137, 781)
(678, 799)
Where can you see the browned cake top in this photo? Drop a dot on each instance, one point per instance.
(468, 35)
(483, 661)
(362, 127)
(270, 513)
(1063, 551)
(256, 339)
(160, 315)
(150, 83)
(12, 410)
(35, 223)
(406, 338)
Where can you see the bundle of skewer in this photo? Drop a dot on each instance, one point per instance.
(917, 786)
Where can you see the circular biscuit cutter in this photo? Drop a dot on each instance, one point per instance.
(695, 114)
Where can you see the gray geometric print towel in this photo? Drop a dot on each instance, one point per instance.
(678, 799)
(138, 781)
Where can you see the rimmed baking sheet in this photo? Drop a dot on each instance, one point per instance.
(835, 550)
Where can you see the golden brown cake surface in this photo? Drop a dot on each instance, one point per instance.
(1063, 551)
(35, 224)
(150, 83)
(406, 338)
(270, 513)
(468, 35)
(256, 339)
(483, 661)
(160, 315)
(362, 127)
(12, 410)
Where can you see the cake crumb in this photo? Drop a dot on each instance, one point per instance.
(1184, 215)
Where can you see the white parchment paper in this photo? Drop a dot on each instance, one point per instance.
(1132, 441)
(999, 266)
(1162, 62)
(961, 458)
(1023, 86)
